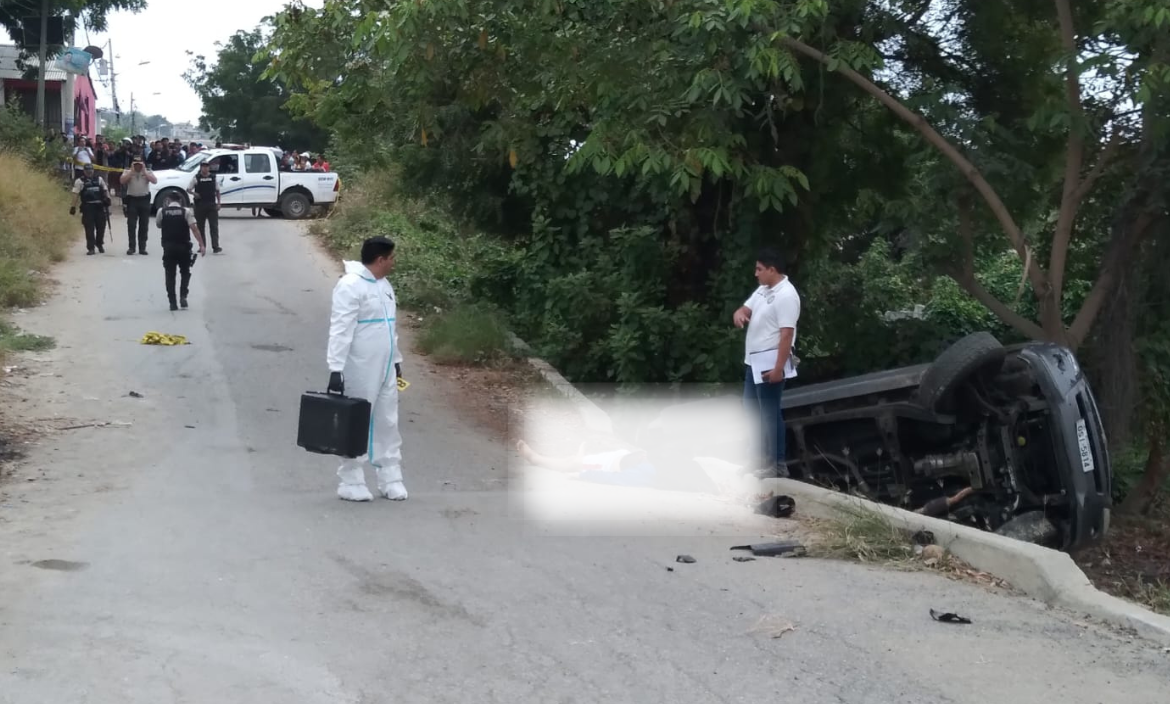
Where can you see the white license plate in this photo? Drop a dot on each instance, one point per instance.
(1086, 449)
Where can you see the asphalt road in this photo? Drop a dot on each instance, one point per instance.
(197, 555)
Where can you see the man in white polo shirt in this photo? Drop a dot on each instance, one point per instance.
(770, 314)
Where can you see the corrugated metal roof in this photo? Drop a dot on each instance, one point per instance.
(8, 69)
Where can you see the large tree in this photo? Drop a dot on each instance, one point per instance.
(93, 13)
(240, 105)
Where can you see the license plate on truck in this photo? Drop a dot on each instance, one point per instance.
(1086, 449)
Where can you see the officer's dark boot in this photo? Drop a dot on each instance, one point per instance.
(184, 286)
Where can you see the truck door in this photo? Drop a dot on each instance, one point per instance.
(226, 167)
(259, 183)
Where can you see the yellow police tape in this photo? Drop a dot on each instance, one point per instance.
(402, 384)
(160, 338)
(78, 164)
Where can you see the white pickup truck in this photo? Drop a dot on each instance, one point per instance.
(252, 178)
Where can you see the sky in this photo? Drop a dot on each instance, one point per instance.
(162, 34)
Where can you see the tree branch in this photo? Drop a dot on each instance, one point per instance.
(1074, 154)
(1014, 235)
(966, 279)
(1083, 322)
(1103, 160)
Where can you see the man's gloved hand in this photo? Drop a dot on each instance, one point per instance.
(73, 210)
(398, 370)
(336, 383)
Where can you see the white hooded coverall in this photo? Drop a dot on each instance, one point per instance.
(363, 346)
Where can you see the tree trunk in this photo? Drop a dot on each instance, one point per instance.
(1139, 499)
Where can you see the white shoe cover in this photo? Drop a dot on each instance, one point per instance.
(354, 492)
(395, 491)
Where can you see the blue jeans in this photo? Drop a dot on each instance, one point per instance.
(763, 402)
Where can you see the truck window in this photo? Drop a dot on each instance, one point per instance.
(225, 164)
(257, 163)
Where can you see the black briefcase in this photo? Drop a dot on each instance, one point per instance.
(333, 424)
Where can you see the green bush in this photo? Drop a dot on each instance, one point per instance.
(469, 334)
(13, 340)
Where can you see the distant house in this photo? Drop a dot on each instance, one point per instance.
(70, 101)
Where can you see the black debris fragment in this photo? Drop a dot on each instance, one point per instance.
(684, 558)
(741, 558)
(948, 617)
(923, 538)
(134, 394)
(782, 548)
(670, 569)
(777, 507)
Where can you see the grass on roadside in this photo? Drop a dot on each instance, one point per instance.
(13, 340)
(865, 536)
(35, 232)
(436, 263)
(469, 334)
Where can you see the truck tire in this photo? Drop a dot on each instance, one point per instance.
(976, 352)
(295, 206)
(273, 212)
(162, 198)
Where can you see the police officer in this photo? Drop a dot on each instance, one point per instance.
(136, 203)
(205, 188)
(94, 196)
(176, 222)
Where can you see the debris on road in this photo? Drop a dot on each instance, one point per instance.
(774, 626)
(105, 424)
(670, 569)
(777, 507)
(741, 558)
(162, 338)
(923, 538)
(685, 559)
(932, 554)
(948, 617)
(784, 547)
(134, 394)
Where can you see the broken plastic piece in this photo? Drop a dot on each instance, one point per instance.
(777, 507)
(923, 538)
(785, 547)
(948, 617)
(134, 394)
(741, 558)
(684, 558)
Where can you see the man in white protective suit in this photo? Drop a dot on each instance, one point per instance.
(365, 362)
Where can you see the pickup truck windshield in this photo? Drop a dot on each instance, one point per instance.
(193, 162)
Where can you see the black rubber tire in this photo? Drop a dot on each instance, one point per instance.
(273, 212)
(976, 352)
(296, 205)
(162, 198)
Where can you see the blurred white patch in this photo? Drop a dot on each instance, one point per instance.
(698, 448)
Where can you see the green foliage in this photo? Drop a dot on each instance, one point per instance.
(468, 334)
(20, 135)
(13, 340)
(92, 12)
(242, 107)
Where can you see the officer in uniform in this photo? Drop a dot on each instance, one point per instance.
(136, 203)
(205, 188)
(94, 196)
(176, 222)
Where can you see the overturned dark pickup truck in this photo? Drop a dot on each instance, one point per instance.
(1006, 439)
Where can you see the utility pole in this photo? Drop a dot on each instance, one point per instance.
(41, 117)
(113, 85)
(132, 133)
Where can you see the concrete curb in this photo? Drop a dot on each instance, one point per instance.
(1047, 575)
(595, 419)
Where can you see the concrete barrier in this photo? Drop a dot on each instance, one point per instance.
(1047, 575)
(595, 419)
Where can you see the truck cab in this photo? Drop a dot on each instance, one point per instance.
(251, 178)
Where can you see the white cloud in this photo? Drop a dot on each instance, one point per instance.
(162, 34)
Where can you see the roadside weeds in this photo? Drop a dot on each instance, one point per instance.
(860, 535)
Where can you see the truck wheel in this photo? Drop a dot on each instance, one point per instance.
(163, 195)
(295, 205)
(273, 212)
(976, 352)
